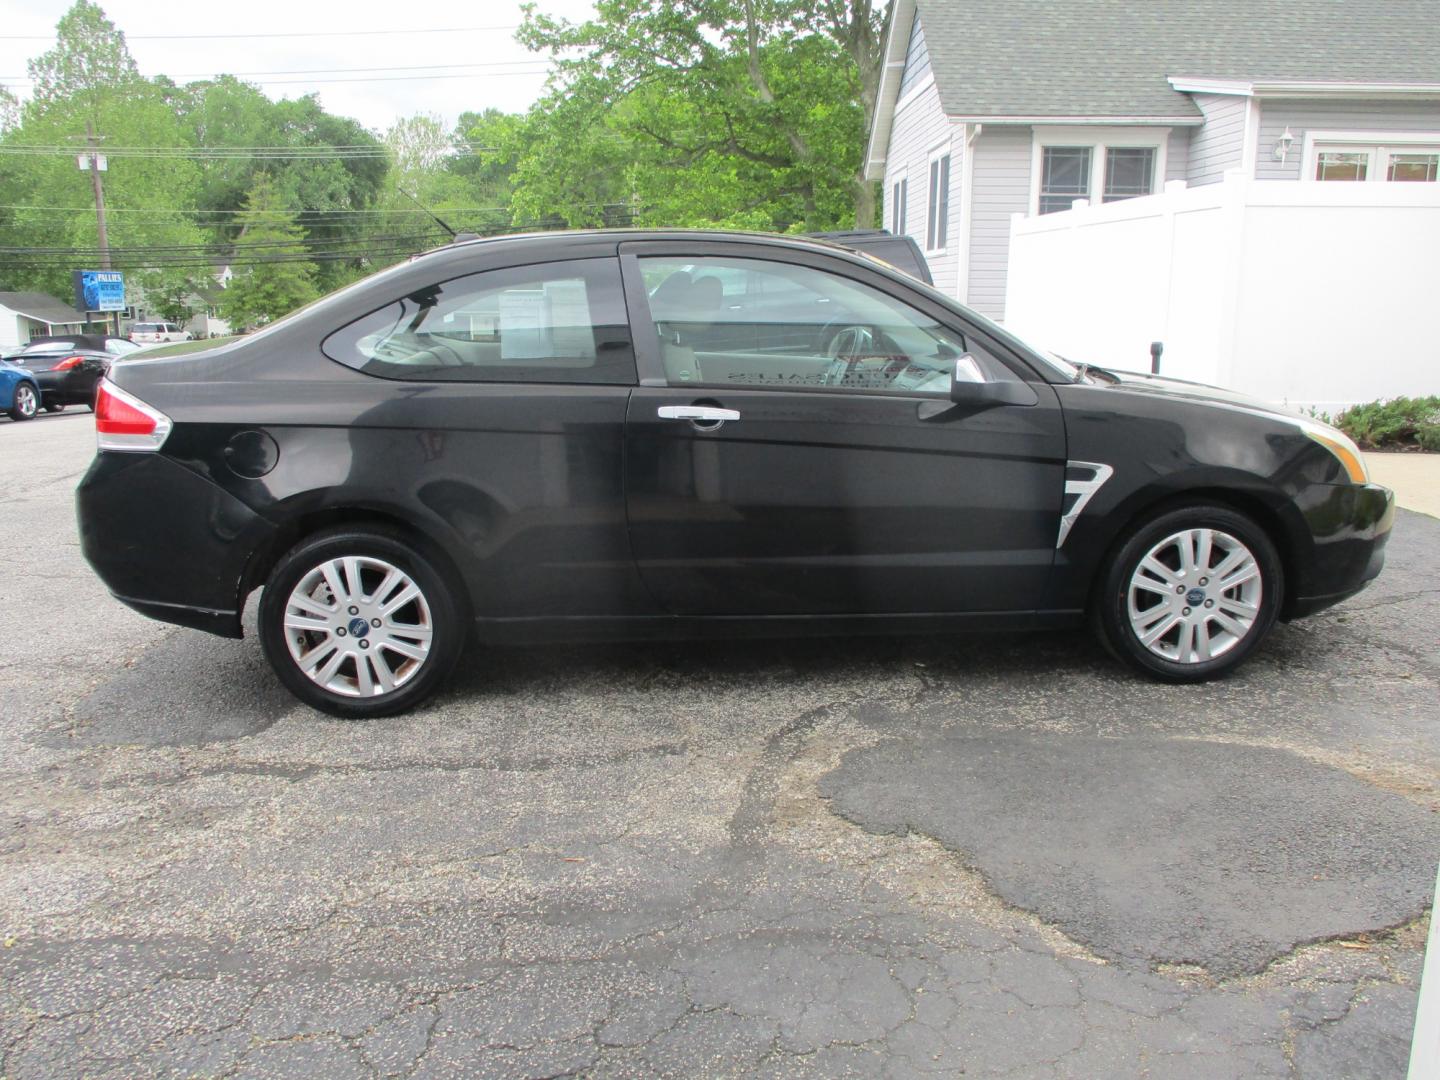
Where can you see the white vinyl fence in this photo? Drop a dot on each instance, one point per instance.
(1312, 295)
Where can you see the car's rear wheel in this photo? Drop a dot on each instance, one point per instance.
(1190, 593)
(360, 623)
(54, 406)
(26, 402)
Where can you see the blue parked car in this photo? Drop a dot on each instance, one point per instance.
(19, 392)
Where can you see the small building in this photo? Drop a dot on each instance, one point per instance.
(27, 315)
(1048, 161)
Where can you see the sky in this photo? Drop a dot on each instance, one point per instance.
(470, 44)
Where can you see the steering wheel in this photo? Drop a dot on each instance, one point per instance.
(844, 346)
(851, 341)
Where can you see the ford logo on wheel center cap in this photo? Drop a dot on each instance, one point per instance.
(1194, 598)
(359, 627)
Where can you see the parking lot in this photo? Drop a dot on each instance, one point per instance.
(817, 858)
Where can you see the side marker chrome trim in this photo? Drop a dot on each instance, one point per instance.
(1083, 490)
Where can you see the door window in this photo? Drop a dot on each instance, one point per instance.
(561, 322)
(760, 324)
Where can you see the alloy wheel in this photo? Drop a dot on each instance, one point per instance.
(358, 626)
(1195, 596)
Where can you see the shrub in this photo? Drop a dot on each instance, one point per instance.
(1398, 424)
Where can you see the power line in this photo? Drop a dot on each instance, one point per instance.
(328, 70)
(70, 149)
(198, 153)
(138, 261)
(273, 213)
(224, 252)
(543, 65)
(361, 79)
(290, 34)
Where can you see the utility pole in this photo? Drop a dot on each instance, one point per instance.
(104, 237)
(92, 142)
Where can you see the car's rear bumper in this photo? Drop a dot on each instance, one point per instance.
(64, 388)
(1351, 528)
(166, 541)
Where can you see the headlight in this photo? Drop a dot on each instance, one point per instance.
(1342, 446)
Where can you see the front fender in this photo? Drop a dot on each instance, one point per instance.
(1165, 450)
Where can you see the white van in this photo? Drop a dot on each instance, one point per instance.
(155, 333)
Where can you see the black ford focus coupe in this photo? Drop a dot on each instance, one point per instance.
(636, 434)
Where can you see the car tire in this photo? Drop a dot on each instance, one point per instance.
(56, 407)
(334, 641)
(1159, 607)
(25, 403)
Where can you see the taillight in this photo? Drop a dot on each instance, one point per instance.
(68, 363)
(124, 422)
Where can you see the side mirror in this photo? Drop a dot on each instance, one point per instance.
(968, 386)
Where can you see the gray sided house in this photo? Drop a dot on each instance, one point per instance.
(991, 108)
(26, 315)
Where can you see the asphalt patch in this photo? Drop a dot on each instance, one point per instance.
(1155, 851)
(191, 689)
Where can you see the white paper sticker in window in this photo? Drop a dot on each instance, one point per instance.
(523, 333)
(569, 319)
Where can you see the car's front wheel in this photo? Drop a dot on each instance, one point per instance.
(360, 623)
(26, 402)
(1190, 593)
(54, 406)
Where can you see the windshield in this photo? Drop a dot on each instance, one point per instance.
(1057, 365)
(48, 347)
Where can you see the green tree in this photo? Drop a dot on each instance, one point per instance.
(170, 293)
(325, 189)
(277, 277)
(9, 110)
(90, 59)
(737, 109)
(88, 82)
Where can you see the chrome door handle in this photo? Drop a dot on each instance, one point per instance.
(701, 414)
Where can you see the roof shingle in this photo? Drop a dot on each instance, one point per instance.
(41, 306)
(1111, 58)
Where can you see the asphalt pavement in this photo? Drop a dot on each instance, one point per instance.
(889, 857)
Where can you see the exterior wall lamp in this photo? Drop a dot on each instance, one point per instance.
(1283, 145)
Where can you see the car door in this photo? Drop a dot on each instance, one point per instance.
(823, 469)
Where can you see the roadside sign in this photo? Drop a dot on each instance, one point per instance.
(99, 290)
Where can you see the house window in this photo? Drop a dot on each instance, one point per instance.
(937, 215)
(1065, 177)
(1409, 168)
(1395, 158)
(899, 197)
(1129, 172)
(1341, 165)
(1098, 164)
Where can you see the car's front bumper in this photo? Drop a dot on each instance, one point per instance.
(1350, 527)
(167, 541)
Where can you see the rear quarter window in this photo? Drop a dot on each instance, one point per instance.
(562, 322)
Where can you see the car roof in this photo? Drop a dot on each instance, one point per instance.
(643, 234)
(95, 342)
(590, 243)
